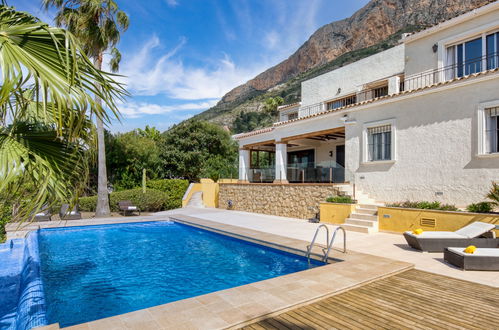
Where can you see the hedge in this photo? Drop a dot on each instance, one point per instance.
(175, 188)
(152, 201)
(425, 205)
(340, 199)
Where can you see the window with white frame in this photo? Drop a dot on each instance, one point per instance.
(492, 130)
(467, 57)
(379, 143)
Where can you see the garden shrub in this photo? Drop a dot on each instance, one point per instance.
(87, 204)
(483, 207)
(152, 201)
(425, 205)
(340, 199)
(174, 188)
(5, 215)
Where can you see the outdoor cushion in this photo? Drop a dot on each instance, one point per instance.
(40, 214)
(132, 208)
(73, 212)
(475, 229)
(435, 234)
(480, 252)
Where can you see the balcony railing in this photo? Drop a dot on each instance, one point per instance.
(413, 82)
(322, 172)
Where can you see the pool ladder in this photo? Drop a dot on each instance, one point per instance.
(328, 242)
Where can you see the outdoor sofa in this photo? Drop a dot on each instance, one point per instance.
(127, 207)
(437, 241)
(74, 214)
(481, 259)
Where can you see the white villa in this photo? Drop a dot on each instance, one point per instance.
(419, 121)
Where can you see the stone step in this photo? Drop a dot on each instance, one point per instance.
(366, 211)
(360, 222)
(364, 216)
(359, 229)
(368, 206)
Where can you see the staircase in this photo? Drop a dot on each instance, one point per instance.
(196, 200)
(363, 220)
(365, 217)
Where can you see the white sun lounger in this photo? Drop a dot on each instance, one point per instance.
(437, 241)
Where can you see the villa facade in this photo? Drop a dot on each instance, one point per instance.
(419, 121)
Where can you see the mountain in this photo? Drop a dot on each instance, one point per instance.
(375, 27)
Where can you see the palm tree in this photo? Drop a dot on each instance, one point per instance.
(46, 93)
(97, 24)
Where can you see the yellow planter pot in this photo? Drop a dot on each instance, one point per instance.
(335, 212)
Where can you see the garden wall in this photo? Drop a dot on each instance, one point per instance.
(288, 200)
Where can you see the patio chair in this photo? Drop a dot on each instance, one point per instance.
(126, 206)
(74, 214)
(437, 241)
(44, 215)
(481, 259)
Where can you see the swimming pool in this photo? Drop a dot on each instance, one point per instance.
(94, 272)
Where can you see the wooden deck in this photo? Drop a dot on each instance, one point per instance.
(410, 300)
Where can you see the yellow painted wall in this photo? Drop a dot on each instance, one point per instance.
(335, 212)
(196, 187)
(400, 219)
(210, 190)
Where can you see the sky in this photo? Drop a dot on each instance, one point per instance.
(179, 57)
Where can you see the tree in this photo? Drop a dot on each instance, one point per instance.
(188, 149)
(45, 102)
(128, 154)
(272, 103)
(97, 24)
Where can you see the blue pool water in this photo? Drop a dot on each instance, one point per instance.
(93, 272)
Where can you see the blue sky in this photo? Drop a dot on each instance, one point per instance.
(181, 56)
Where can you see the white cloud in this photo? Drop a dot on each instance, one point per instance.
(138, 109)
(272, 39)
(172, 3)
(168, 75)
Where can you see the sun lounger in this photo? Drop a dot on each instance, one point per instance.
(437, 241)
(127, 207)
(43, 215)
(72, 215)
(481, 259)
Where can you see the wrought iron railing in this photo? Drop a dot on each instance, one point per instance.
(410, 83)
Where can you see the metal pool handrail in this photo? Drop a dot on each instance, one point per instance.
(309, 247)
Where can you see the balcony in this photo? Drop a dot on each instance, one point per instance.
(406, 84)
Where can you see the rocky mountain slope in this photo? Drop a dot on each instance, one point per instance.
(373, 28)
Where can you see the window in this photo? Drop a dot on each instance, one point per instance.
(342, 102)
(467, 58)
(492, 130)
(379, 141)
(380, 91)
(262, 159)
(492, 51)
(292, 115)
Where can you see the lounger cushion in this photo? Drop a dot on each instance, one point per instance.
(480, 252)
(475, 229)
(435, 234)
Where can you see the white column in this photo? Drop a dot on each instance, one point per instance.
(281, 163)
(393, 85)
(244, 164)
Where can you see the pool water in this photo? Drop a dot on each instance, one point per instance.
(100, 271)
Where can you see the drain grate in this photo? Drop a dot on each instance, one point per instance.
(428, 222)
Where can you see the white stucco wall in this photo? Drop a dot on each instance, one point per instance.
(350, 77)
(419, 54)
(436, 146)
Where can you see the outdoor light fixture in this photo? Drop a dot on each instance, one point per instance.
(435, 48)
(339, 91)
